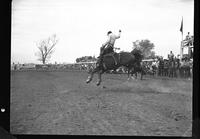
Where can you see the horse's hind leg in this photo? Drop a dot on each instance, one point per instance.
(141, 74)
(90, 77)
(99, 78)
(135, 75)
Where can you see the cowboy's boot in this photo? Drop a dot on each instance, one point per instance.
(114, 59)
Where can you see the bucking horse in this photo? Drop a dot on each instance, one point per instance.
(126, 59)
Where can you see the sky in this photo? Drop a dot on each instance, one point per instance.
(81, 26)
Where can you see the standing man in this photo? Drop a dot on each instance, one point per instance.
(161, 66)
(188, 37)
(171, 55)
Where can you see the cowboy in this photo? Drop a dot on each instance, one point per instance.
(108, 46)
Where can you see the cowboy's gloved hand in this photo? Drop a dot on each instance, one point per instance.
(120, 30)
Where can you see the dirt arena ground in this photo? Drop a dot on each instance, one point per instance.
(62, 103)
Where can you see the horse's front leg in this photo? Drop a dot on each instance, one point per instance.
(135, 75)
(128, 73)
(142, 72)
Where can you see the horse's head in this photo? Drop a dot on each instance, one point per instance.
(138, 54)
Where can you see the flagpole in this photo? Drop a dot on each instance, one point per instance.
(182, 28)
(181, 48)
(181, 51)
(182, 36)
(182, 41)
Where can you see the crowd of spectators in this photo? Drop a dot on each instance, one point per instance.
(171, 67)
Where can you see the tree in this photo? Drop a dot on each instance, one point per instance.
(146, 47)
(86, 59)
(46, 48)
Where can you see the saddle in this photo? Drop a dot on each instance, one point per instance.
(112, 54)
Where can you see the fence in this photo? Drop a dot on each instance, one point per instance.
(150, 69)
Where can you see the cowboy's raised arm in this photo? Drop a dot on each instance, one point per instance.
(118, 36)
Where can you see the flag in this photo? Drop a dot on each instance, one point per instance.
(181, 29)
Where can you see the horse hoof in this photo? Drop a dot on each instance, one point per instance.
(103, 87)
(133, 78)
(88, 80)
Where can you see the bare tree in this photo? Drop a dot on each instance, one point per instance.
(46, 48)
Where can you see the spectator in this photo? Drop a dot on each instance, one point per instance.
(171, 56)
(160, 66)
(188, 37)
(178, 56)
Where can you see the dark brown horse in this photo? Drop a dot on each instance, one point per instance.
(127, 59)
